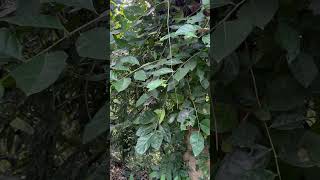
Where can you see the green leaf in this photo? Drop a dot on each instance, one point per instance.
(163, 177)
(133, 12)
(154, 174)
(288, 39)
(188, 30)
(144, 130)
(22, 125)
(197, 142)
(206, 3)
(180, 73)
(122, 84)
(166, 133)
(259, 12)
(146, 117)
(40, 72)
(304, 69)
(228, 37)
(154, 84)
(162, 71)
(161, 114)
(129, 60)
(205, 126)
(191, 64)
(39, 21)
(173, 61)
(92, 43)
(196, 18)
(97, 126)
(156, 140)
(184, 114)
(172, 117)
(142, 99)
(143, 144)
(113, 76)
(87, 4)
(9, 45)
(140, 75)
(206, 40)
(172, 35)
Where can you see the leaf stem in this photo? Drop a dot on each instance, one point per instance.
(227, 16)
(170, 48)
(265, 125)
(102, 15)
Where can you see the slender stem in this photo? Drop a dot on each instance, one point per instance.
(255, 87)
(194, 105)
(183, 64)
(265, 125)
(102, 15)
(170, 48)
(227, 16)
(273, 150)
(215, 128)
(142, 66)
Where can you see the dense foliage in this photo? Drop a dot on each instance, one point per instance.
(265, 89)
(52, 89)
(160, 102)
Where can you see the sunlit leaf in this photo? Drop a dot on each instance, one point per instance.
(140, 75)
(154, 84)
(122, 84)
(143, 143)
(197, 143)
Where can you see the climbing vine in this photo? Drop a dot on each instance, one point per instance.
(159, 77)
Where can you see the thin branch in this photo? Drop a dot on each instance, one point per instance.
(255, 87)
(170, 48)
(215, 128)
(102, 15)
(265, 125)
(227, 16)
